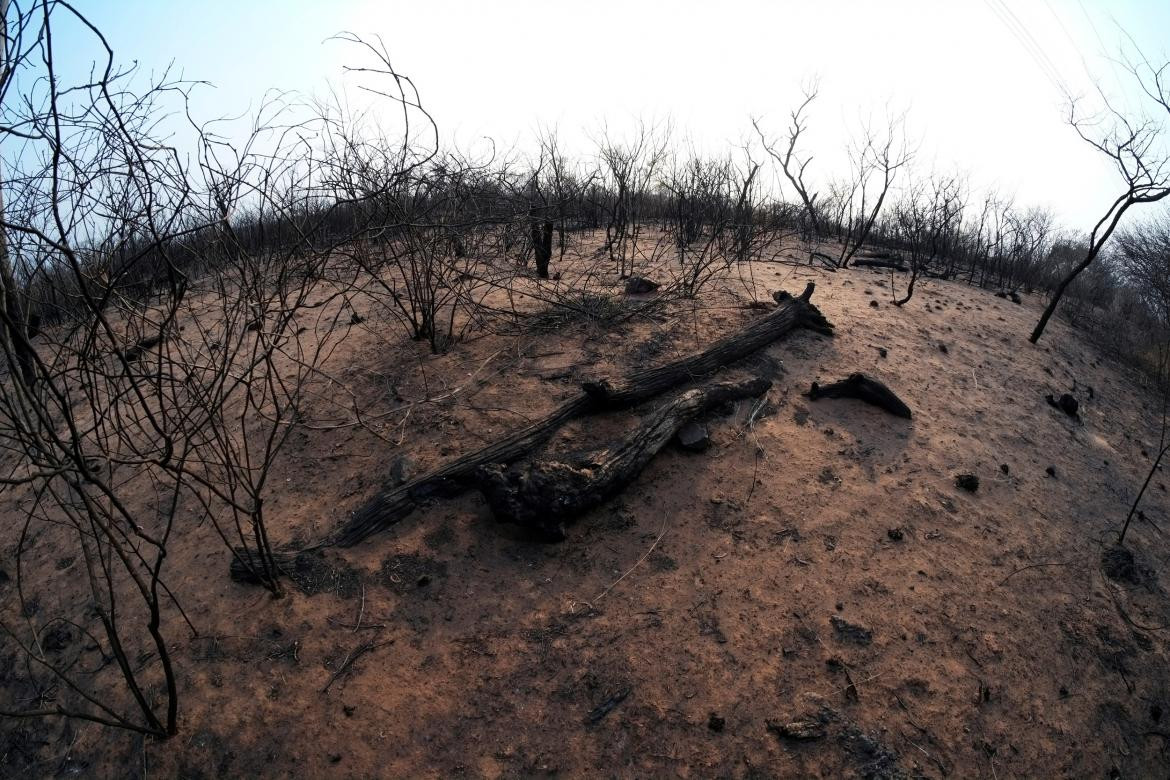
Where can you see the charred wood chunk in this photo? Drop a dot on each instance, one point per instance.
(863, 388)
(1067, 403)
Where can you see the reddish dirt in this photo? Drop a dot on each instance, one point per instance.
(816, 573)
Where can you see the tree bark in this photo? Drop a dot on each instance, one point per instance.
(542, 234)
(544, 493)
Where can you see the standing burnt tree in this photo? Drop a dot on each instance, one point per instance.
(628, 169)
(793, 163)
(854, 202)
(926, 225)
(1138, 148)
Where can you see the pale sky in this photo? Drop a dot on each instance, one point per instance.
(976, 76)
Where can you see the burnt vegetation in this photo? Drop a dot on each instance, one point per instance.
(173, 290)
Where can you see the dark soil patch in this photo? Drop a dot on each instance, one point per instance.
(410, 571)
(313, 573)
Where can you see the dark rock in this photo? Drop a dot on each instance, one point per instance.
(943, 348)
(1050, 471)
(874, 304)
(968, 482)
(639, 285)
(1004, 468)
(356, 319)
(694, 437)
(895, 534)
(1016, 298)
(882, 351)
(716, 723)
(851, 632)
(1067, 403)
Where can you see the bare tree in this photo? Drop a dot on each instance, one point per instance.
(629, 168)
(1137, 148)
(790, 159)
(927, 222)
(856, 202)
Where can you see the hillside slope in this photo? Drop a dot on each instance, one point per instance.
(816, 573)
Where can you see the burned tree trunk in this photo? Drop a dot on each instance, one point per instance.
(391, 505)
(542, 234)
(542, 494)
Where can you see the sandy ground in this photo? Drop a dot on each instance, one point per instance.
(816, 573)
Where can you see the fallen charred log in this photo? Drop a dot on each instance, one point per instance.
(393, 504)
(877, 262)
(543, 494)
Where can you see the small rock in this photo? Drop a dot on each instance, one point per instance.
(639, 285)
(694, 437)
(851, 632)
(968, 482)
(1004, 468)
(401, 470)
(1050, 471)
(895, 534)
(716, 723)
(423, 581)
(943, 348)
(873, 304)
(356, 319)
(1016, 298)
(349, 710)
(882, 351)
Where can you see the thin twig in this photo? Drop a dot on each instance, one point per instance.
(636, 565)
(353, 655)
